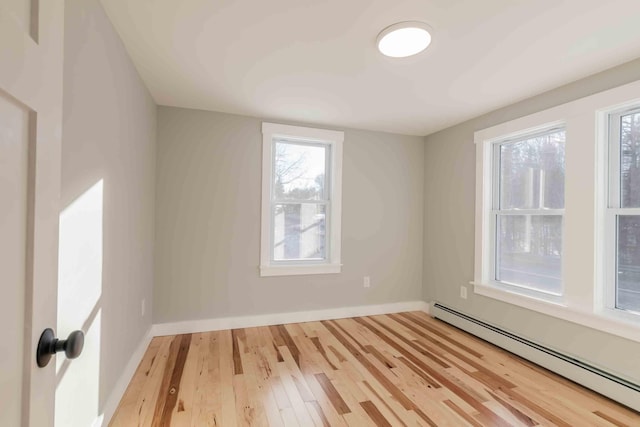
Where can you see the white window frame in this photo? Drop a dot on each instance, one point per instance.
(272, 132)
(586, 272)
(613, 208)
(496, 144)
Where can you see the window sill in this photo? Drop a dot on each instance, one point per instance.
(604, 321)
(521, 299)
(299, 270)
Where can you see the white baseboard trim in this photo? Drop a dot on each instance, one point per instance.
(123, 382)
(204, 325)
(426, 307)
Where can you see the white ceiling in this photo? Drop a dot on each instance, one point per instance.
(316, 61)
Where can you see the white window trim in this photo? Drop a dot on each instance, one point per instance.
(304, 134)
(584, 241)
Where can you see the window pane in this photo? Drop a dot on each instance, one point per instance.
(532, 172)
(529, 251)
(630, 160)
(628, 271)
(299, 171)
(299, 232)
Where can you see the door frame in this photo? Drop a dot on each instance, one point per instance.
(32, 74)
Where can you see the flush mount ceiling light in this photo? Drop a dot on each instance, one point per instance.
(404, 39)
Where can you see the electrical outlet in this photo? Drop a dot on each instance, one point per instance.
(143, 307)
(367, 282)
(463, 292)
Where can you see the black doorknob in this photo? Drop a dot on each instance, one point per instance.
(50, 345)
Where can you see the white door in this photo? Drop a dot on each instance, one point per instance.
(31, 42)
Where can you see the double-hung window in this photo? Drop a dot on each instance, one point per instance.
(527, 212)
(301, 199)
(623, 212)
(581, 264)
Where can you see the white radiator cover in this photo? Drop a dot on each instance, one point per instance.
(602, 382)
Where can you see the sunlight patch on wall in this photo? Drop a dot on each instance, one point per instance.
(79, 292)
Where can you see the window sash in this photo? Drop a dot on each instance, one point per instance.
(327, 189)
(494, 258)
(497, 163)
(326, 201)
(614, 211)
(497, 211)
(612, 291)
(614, 177)
(327, 235)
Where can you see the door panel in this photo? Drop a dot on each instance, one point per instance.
(21, 12)
(30, 128)
(14, 143)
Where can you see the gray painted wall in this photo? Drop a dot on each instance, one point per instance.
(449, 232)
(109, 132)
(208, 222)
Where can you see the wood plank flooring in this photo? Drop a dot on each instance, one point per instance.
(394, 370)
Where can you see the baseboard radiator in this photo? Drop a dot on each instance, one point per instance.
(592, 377)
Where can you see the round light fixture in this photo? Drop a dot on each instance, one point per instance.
(404, 39)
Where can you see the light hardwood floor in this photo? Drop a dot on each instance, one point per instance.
(393, 370)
